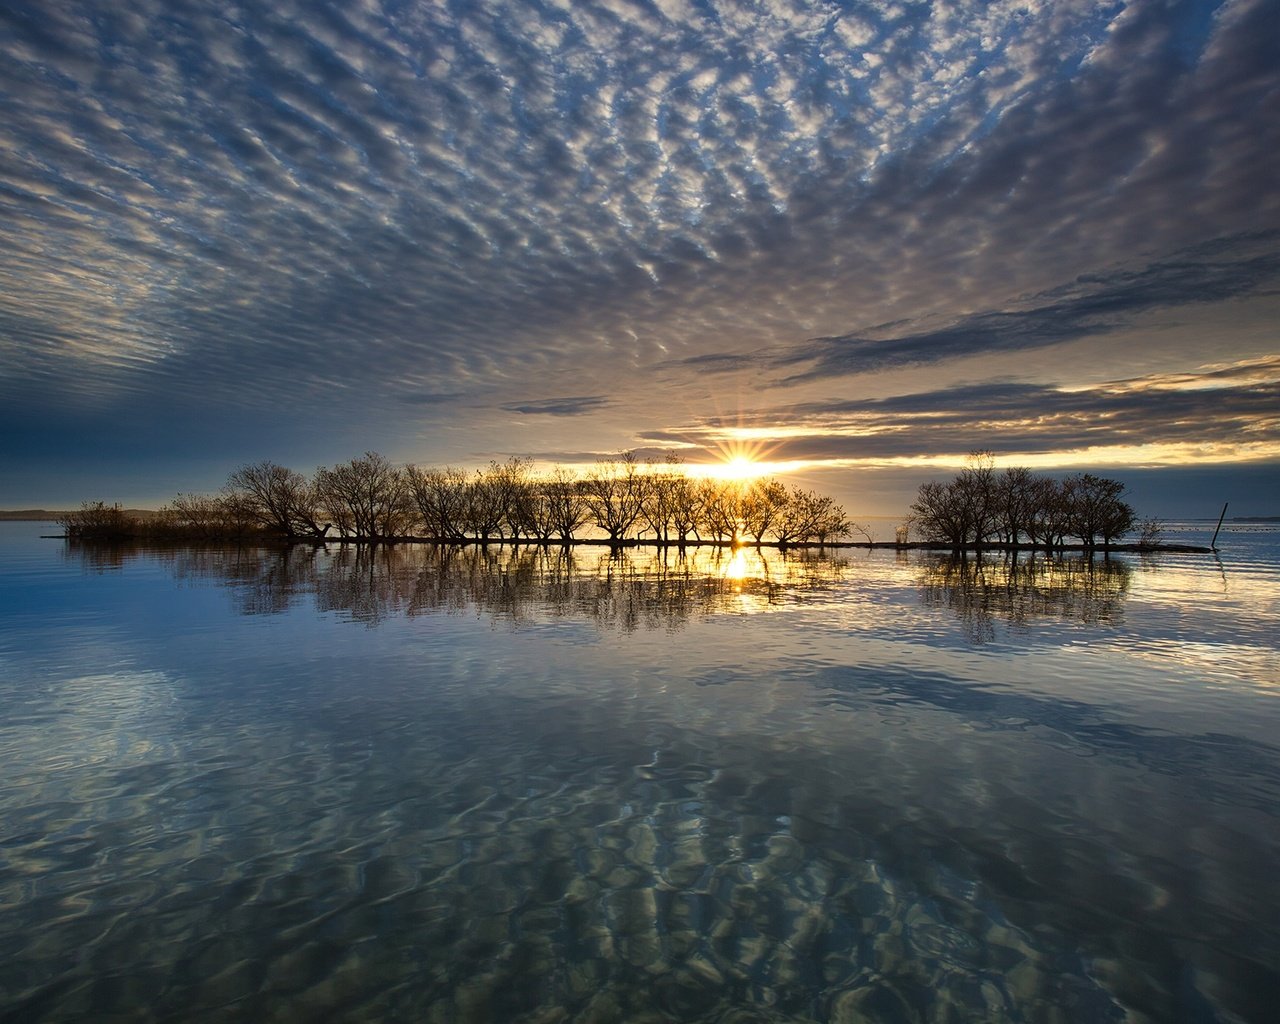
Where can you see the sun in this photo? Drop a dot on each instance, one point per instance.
(740, 467)
(737, 469)
(738, 462)
(742, 461)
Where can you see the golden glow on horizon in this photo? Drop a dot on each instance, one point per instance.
(741, 468)
(1258, 441)
(1150, 455)
(735, 470)
(740, 460)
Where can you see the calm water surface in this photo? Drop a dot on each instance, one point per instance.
(413, 785)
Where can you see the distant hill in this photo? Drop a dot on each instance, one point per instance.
(44, 515)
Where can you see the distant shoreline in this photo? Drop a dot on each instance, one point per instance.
(42, 515)
(576, 542)
(45, 515)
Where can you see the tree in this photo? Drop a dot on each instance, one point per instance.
(493, 497)
(566, 505)
(967, 511)
(615, 495)
(799, 518)
(512, 486)
(440, 497)
(1117, 520)
(1096, 509)
(830, 521)
(1052, 519)
(531, 515)
(199, 515)
(96, 520)
(367, 497)
(279, 499)
(764, 502)
(660, 509)
(237, 516)
(685, 497)
(976, 492)
(721, 507)
(939, 515)
(1016, 496)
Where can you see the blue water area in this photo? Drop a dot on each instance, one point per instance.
(523, 785)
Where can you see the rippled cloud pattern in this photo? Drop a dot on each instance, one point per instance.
(390, 217)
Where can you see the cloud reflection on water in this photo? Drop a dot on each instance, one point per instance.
(865, 811)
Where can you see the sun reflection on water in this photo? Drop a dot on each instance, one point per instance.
(736, 567)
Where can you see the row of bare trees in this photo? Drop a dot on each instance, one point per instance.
(624, 499)
(1015, 506)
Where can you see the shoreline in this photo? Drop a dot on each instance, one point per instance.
(524, 542)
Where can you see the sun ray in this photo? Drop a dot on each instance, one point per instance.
(737, 459)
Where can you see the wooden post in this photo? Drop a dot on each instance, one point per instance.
(1214, 543)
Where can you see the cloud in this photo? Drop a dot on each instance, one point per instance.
(433, 397)
(559, 406)
(321, 210)
(1092, 305)
(1217, 407)
(715, 362)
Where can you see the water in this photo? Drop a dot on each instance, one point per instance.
(354, 785)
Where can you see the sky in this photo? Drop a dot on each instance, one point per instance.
(857, 240)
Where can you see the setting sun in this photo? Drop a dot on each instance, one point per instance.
(737, 461)
(740, 467)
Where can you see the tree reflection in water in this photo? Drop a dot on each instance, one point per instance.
(1021, 588)
(626, 589)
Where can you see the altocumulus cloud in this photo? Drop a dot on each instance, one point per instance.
(288, 208)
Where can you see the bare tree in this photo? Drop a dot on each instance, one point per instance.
(196, 515)
(512, 486)
(486, 508)
(661, 507)
(615, 495)
(279, 499)
(567, 504)
(685, 497)
(1097, 509)
(764, 502)
(965, 511)
(721, 506)
(367, 497)
(829, 522)
(532, 515)
(237, 516)
(863, 530)
(939, 514)
(1052, 519)
(800, 518)
(96, 520)
(1149, 531)
(976, 486)
(532, 509)
(440, 497)
(1016, 497)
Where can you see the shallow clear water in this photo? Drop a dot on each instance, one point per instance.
(403, 784)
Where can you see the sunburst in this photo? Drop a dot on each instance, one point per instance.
(738, 461)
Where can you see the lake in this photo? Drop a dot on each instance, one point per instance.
(412, 784)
